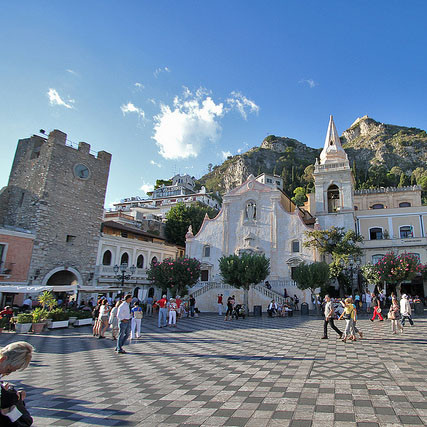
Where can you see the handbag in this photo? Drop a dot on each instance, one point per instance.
(379, 310)
(391, 315)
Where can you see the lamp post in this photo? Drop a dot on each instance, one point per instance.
(123, 276)
(353, 267)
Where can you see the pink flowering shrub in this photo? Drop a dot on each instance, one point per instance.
(177, 274)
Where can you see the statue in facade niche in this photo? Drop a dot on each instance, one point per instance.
(251, 211)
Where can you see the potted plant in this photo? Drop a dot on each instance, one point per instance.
(23, 323)
(47, 300)
(84, 317)
(59, 318)
(39, 316)
(4, 323)
(73, 315)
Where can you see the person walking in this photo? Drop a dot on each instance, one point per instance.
(136, 321)
(123, 316)
(149, 306)
(348, 315)
(229, 312)
(104, 312)
(113, 321)
(329, 318)
(376, 304)
(368, 301)
(405, 310)
(95, 316)
(173, 308)
(394, 316)
(192, 302)
(163, 311)
(220, 304)
(178, 301)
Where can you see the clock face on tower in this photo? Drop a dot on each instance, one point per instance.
(81, 171)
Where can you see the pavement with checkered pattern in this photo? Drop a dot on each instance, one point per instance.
(252, 372)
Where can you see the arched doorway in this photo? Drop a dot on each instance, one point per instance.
(151, 293)
(62, 278)
(136, 292)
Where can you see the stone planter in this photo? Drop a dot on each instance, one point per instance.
(58, 324)
(72, 320)
(23, 328)
(83, 322)
(38, 327)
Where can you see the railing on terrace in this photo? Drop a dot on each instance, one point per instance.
(108, 271)
(276, 292)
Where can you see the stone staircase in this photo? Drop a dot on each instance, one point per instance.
(205, 295)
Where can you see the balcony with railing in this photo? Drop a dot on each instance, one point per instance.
(6, 268)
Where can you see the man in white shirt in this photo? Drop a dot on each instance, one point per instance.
(123, 316)
(329, 318)
(405, 310)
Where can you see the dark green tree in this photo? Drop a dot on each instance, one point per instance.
(244, 270)
(300, 196)
(312, 276)
(180, 217)
(404, 180)
(176, 275)
(340, 245)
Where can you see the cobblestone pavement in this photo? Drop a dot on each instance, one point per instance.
(253, 372)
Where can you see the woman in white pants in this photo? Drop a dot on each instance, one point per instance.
(173, 308)
(136, 321)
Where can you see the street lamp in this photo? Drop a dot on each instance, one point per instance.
(353, 267)
(123, 276)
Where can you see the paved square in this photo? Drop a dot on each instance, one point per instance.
(253, 372)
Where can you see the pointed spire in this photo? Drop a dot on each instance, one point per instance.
(332, 151)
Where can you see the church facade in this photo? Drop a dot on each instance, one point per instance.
(258, 217)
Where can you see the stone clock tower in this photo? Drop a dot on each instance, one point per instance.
(333, 184)
(57, 192)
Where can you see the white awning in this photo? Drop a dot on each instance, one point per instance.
(36, 289)
(25, 289)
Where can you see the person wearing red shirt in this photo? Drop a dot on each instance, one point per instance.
(163, 311)
(178, 301)
(220, 304)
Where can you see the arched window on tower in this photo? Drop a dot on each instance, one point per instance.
(333, 198)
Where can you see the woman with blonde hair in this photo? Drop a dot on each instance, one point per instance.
(14, 357)
(349, 315)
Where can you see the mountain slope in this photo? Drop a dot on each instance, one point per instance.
(380, 155)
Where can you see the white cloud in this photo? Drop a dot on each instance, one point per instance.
(157, 71)
(131, 108)
(310, 82)
(242, 104)
(225, 154)
(152, 100)
(74, 73)
(146, 187)
(139, 86)
(55, 99)
(155, 163)
(180, 130)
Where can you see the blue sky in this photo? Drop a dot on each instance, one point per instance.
(170, 86)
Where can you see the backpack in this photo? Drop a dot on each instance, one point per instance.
(95, 312)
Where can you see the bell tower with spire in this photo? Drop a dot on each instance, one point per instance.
(334, 184)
